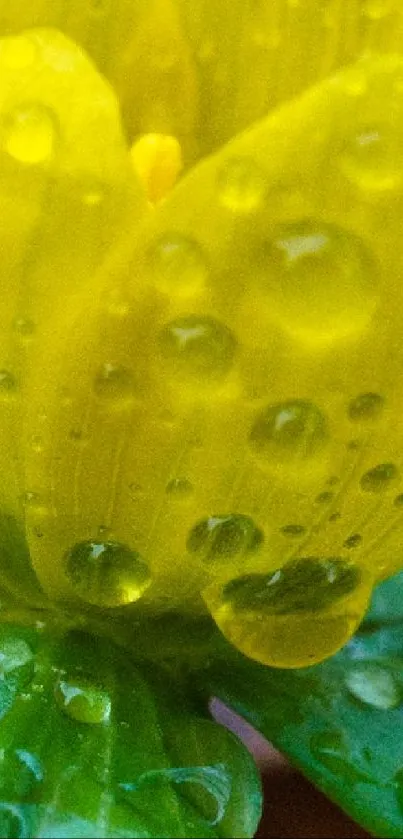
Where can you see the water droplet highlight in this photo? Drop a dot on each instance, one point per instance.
(220, 538)
(366, 406)
(177, 265)
(330, 748)
(198, 346)
(107, 573)
(374, 685)
(241, 185)
(288, 430)
(319, 281)
(373, 160)
(83, 701)
(379, 478)
(29, 134)
(14, 654)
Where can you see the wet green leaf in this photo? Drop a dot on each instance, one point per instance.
(92, 746)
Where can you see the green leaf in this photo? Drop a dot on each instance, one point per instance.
(340, 722)
(92, 746)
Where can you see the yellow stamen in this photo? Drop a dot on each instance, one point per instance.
(157, 160)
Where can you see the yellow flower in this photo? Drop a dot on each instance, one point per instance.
(199, 381)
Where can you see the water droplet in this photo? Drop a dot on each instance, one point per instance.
(83, 701)
(14, 654)
(29, 134)
(24, 327)
(379, 478)
(293, 530)
(330, 748)
(324, 497)
(107, 573)
(373, 159)
(198, 346)
(374, 685)
(12, 822)
(20, 772)
(114, 385)
(288, 430)
(8, 384)
(318, 280)
(18, 53)
(178, 265)
(76, 435)
(353, 541)
(308, 585)
(225, 537)
(241, 185)
(179, 488)
(366, 406)
(295, 616)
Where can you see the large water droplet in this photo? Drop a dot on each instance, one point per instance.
(83, 701)
(198, 346)
(374, 685)
(366, 406)
(318, 280)
(114, 385)
(288, 430)
(293, 617)
(241, 185)
(379, 478)
(177, 265)
(107, 573)
(29, 134)
(373, 160)
(224, 537)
